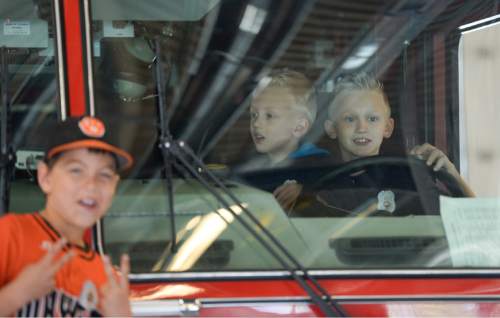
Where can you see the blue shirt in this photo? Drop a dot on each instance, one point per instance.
(308, 149)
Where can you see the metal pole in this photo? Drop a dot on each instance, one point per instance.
(5, 154)
(165, 141)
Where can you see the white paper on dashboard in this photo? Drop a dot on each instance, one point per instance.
(472, 227)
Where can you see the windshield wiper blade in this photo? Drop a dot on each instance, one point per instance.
(318, 294)
(173, 151)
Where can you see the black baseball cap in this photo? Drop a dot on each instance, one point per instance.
(85, 132)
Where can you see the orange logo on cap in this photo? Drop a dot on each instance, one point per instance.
(92, 127)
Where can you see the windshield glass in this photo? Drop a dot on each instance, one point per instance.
(359, 134)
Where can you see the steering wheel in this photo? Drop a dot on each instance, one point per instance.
(424, 181)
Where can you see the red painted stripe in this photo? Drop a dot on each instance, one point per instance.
(342, 287)
(389, 287)
(74, 57)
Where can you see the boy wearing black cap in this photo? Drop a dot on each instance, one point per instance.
(46, 268)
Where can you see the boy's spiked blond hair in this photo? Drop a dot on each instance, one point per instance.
(299, 86)
(353, 82)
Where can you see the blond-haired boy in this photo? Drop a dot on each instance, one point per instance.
(282, 111)
(360, 119)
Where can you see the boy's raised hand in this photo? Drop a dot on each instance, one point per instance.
(115, 293)
(37, 279)
(435, 158)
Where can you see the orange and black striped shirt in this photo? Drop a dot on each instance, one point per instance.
(77, 283)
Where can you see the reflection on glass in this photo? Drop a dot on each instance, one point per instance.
(205, 231)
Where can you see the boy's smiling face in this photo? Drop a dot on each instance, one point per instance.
(360, 123)
(276, 125)
(79, 188)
